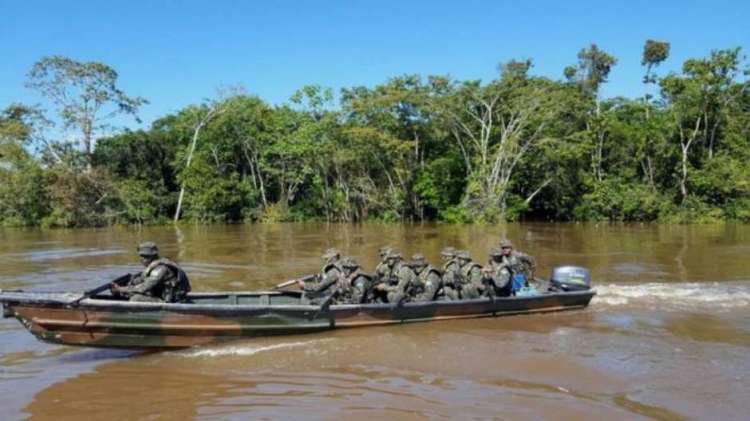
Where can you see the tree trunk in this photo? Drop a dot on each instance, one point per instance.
(193, 143)
(683, 180)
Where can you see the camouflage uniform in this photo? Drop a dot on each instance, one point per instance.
(496, 276)
(321, 285)
(427, 280)
(382, 271)
(382, 277)
(467, 282)
(401, 278)
(517, 262)
(353, 285)
(161, 281)
(450, 270)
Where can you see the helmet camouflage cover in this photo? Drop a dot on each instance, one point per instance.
(418, 260)
(449, 251)
(506, 244)
(393, 254)
(383, 251)
(147, 249)
(463, 255)
(350, 263)
(330, 253)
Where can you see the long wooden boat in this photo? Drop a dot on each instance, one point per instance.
(101, 321)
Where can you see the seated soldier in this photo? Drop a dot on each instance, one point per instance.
(496, 276)
(354, 284)
(401, 277)
(331, 270)
(467, 280)
(450, 269)
(427, 280)
(382, 272)
(516, 261)
(161, 281)
(319, 286)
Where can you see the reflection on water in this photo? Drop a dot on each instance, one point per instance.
(666, 338)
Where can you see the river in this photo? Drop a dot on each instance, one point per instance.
(667, 336)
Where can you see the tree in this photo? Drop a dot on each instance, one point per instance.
(698, 100)
(495, 126)
(654, 53)
(592, 69)
(23, 200)
(85, 93)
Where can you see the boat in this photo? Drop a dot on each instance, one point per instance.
(101, 320)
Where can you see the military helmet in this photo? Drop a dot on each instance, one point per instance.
(506, 244)
(463, 254)
(383, 251)
(496, 251)
(393, 254)
(449, 252)
(331, 253)
(350, 263)
(418, 260)
(148, 249)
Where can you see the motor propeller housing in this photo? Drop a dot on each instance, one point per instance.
(571, 278)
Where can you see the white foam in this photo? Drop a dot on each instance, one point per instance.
(676, 295)
(244, 350)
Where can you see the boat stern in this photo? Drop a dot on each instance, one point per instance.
(7, 311)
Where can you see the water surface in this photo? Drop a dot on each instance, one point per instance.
(668, 336)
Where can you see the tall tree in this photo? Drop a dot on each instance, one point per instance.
(85, 93)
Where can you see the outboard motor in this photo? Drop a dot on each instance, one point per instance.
(570, 278)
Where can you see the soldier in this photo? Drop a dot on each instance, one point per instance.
(401, 276)
(317, 285)
(517, 262)
(331, 270)
(467, 283)
(355, 284)
(382, 273)
(496, 276)
(161, 280)
(427, 280)
(450, 269)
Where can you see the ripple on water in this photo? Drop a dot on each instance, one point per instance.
(676, 296)
(65, 253)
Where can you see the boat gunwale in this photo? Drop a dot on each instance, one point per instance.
(93, 303)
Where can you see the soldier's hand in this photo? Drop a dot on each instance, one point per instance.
(380, 287)
(301, 283)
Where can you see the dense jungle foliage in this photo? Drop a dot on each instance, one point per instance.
(414, 148)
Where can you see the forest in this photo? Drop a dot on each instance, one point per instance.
(414, 148)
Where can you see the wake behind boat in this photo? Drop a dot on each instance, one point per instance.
(212, 317)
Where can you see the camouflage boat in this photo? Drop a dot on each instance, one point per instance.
(212, 317)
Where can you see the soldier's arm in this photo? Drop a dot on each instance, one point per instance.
(325, 284)
(432, 285)
(360, 287)
(529, 260)
(449, 277)
(151, 281)
(501, 277)
(475, 276)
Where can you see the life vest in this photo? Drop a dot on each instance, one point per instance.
(425, 275)
(466, 271)
(175, 287)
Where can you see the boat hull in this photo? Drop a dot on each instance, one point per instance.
(120, 324)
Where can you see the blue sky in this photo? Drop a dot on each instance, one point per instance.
(176, 53)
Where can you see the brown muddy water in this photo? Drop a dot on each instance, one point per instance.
(668, 336)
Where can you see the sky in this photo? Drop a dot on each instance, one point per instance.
(176, 53)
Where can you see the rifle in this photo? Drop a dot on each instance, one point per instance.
(122, 280)
(294, 281)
